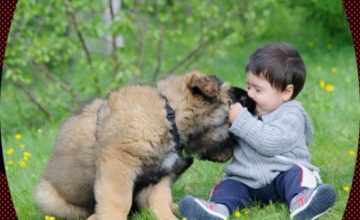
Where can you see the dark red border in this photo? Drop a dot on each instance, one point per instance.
(7, 8)
(352, 8)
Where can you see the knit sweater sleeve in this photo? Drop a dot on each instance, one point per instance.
(269, 138)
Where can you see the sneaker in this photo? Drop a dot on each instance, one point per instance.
(312, 203)
(196, 209)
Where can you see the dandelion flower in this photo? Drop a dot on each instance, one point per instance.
(322, 83)
(18, 136)
(329, 88)
(183, 218)
(49, 217)
(237, 214)
(351, 153)
(10, 162)
(333, 70)
(27, 154)
(10, 151)
(22, 164)
(346, 188)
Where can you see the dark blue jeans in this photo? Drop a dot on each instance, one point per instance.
(235, 194)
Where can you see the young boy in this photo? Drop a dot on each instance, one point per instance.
(271, 161)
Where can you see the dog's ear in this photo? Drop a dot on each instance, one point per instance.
(206, 85)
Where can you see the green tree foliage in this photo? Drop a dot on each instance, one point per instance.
(61, 53)
(329, 14)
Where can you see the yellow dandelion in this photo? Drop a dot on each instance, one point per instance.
(352, 153)
(333, 70)
(346, 188)
(27, 154)
(322, 83)
(22, 164)
(237, 214)
(329, 88)
(10, 162)
(18, 136)
(183, 218)
(49, 217)
(10, 151)
(329, 46)
(247, 211)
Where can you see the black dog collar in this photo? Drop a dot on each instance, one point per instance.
(170, 116)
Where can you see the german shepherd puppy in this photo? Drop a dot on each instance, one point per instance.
(129, 147)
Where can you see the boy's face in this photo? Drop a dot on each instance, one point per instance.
(267, 98)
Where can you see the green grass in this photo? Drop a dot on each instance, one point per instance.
(335, 117)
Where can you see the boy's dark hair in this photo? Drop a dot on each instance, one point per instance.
(280, 64)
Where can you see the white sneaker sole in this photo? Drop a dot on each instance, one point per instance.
(194, 209)
(293, 215)
(209, 210)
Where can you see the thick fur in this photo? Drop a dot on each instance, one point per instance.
(99, 153)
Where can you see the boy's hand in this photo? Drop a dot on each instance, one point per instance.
(234, 111)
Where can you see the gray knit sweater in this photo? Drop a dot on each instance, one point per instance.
(271, 145)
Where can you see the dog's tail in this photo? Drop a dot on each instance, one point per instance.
(53, 204)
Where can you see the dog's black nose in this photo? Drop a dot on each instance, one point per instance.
(241, 96)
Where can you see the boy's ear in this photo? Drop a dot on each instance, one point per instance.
(287, 93)
(206, 85)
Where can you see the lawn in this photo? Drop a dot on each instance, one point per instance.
(330, 97)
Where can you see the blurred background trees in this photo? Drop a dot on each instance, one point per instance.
(62, 53)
